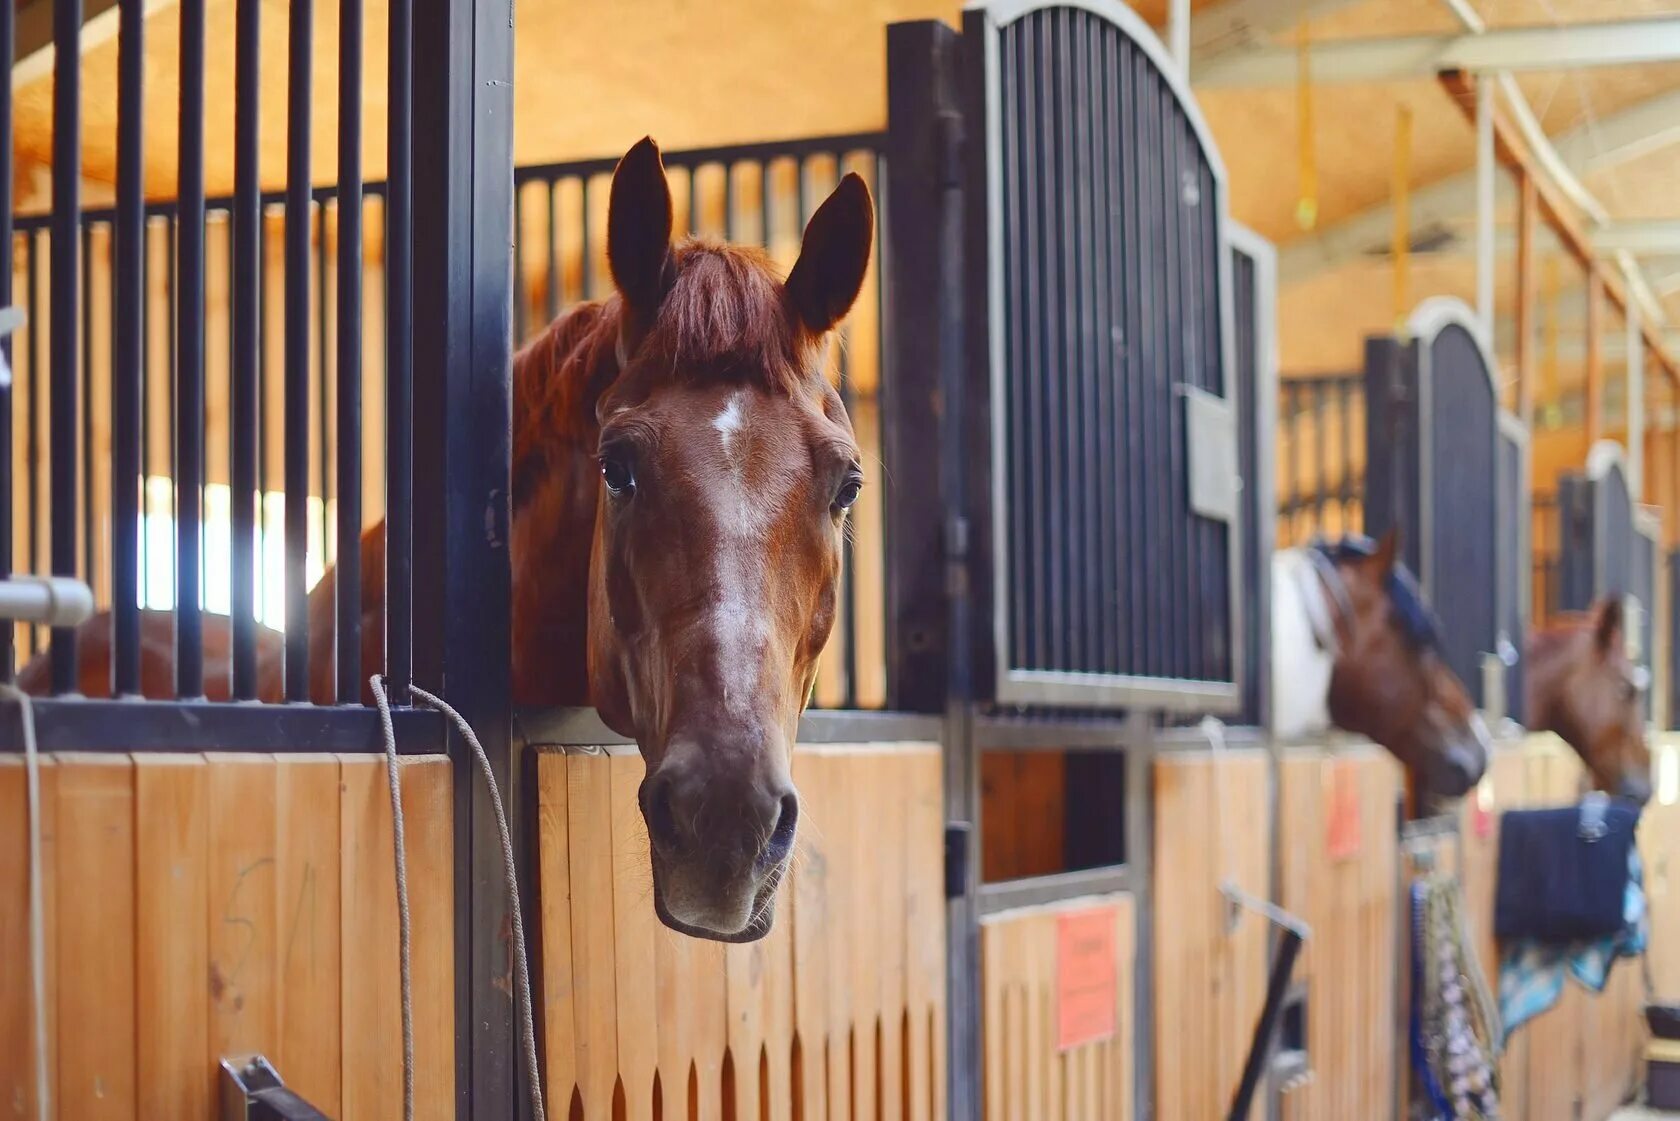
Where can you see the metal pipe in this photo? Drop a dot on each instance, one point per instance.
(246, 293)
(1260, 1048)
(128, 354)
(297, 350)
(189, 371)
(349, 554)
(399, 363)
(53, 601)
(63, 286)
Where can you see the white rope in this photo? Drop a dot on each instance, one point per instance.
(522, 972)
(37, 908)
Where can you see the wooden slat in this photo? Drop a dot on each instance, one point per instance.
(924, 924)
(555, 888)
(172, 936)
(243, 897)
(17, 1005)
(845, 801)
(809, 911)
(308, 879)
(95, 871)
(428, 817)
(589, 833)
(889, 870)
(371, 1010)
(633, 925)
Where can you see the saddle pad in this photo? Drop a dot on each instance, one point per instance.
(1563, 872)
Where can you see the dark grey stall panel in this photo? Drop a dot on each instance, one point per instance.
(1391, 444)
(1109, 290)
(1247, 364)
(1513, 541)
(1616, 552)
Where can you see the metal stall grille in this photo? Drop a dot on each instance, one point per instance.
(1115, 514)
(1320, 456)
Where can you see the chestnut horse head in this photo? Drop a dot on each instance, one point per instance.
(727, 466)
(1372, 639)
(1581, 685)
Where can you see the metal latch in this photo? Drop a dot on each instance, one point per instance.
(252, 1090)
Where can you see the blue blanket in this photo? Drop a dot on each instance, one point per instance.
(1531, 973)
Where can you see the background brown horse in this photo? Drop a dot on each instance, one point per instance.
(1581, 685)
(682, 471)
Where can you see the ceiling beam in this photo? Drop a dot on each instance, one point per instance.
(1540, 47)
(33, 58)
(1445, 202)
(1236, 25)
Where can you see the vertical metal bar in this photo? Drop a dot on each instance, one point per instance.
(36, 385)
(553, 303)
(66, 220)
(189, 374)
(8, 36)
(1346, 488)
(246, 293)
(84, 420)
(586, 246)
(349, 583)
(323, 369)
(1321, 460)
(463, 136)
(128, 351)
(399, 354)
(297, 350)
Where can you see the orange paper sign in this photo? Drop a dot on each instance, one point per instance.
(1345, 830)
(1087, 985)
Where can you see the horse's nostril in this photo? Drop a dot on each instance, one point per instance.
(661, 818)
(787, 824)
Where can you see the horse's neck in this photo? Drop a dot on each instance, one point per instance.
(1300, 665)
(557, 379)
(1544, 664)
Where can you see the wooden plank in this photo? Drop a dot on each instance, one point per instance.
(308, 879)
(555, 888)
(96, 988)
(429, 836)
(371, 1010)
(594, 969)
(18, 1040)
(846, 802)
(172, 936)
(889, 869)
(924, 921)
(633, 924)
(808, 911)
(243, 895)
(869, 791)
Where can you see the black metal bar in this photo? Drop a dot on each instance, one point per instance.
(297, 351)
(128, 352)
(349, 428)
(725, 154)
(189, 373)
(66, 199)
(463, 137)
(553, 242)
(1260, 1049)
(64, 724)
(86, 519)
(8, 36)
(245, 291)
(399, 356)
(32, 266)
(323, 375)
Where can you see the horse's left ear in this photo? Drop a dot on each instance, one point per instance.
(1607, 624)
(1388, 551)
(639, 228)
(834, 256)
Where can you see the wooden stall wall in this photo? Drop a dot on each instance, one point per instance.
(1028, 1075)
(199, 906)
(839, 1012)
(1337, 816)
(1660, 846)
(1212, 825)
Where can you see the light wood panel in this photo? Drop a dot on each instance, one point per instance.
(1027, 1077)
(809, 1022)
(193, 912)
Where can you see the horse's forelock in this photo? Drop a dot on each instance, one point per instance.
(725, 318)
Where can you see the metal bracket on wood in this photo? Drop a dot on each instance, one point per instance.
(252, 1090)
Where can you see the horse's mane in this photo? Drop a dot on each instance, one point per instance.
(1559, 629)
(724, 317)
(1417, 618)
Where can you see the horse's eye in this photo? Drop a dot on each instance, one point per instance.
(848, 492)
(620, 480)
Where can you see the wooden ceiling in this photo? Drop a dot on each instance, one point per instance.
(591, 77)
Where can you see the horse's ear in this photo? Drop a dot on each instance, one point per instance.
(834, 256)
(639, 227)
(1388, 551)
(1607, 624)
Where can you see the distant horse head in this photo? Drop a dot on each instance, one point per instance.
(727, 467)
(1581, 685)
(1355, 642)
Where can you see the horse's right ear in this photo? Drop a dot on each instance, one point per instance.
(639, 228)
(1607, 624)
(1388, 551)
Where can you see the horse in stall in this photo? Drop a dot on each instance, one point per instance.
(1355, 645)
(1582, 686)
(682, 471)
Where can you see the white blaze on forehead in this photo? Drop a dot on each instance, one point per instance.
(728, 423)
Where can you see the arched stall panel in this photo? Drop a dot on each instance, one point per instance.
(1447, 467)
(1255, 366)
